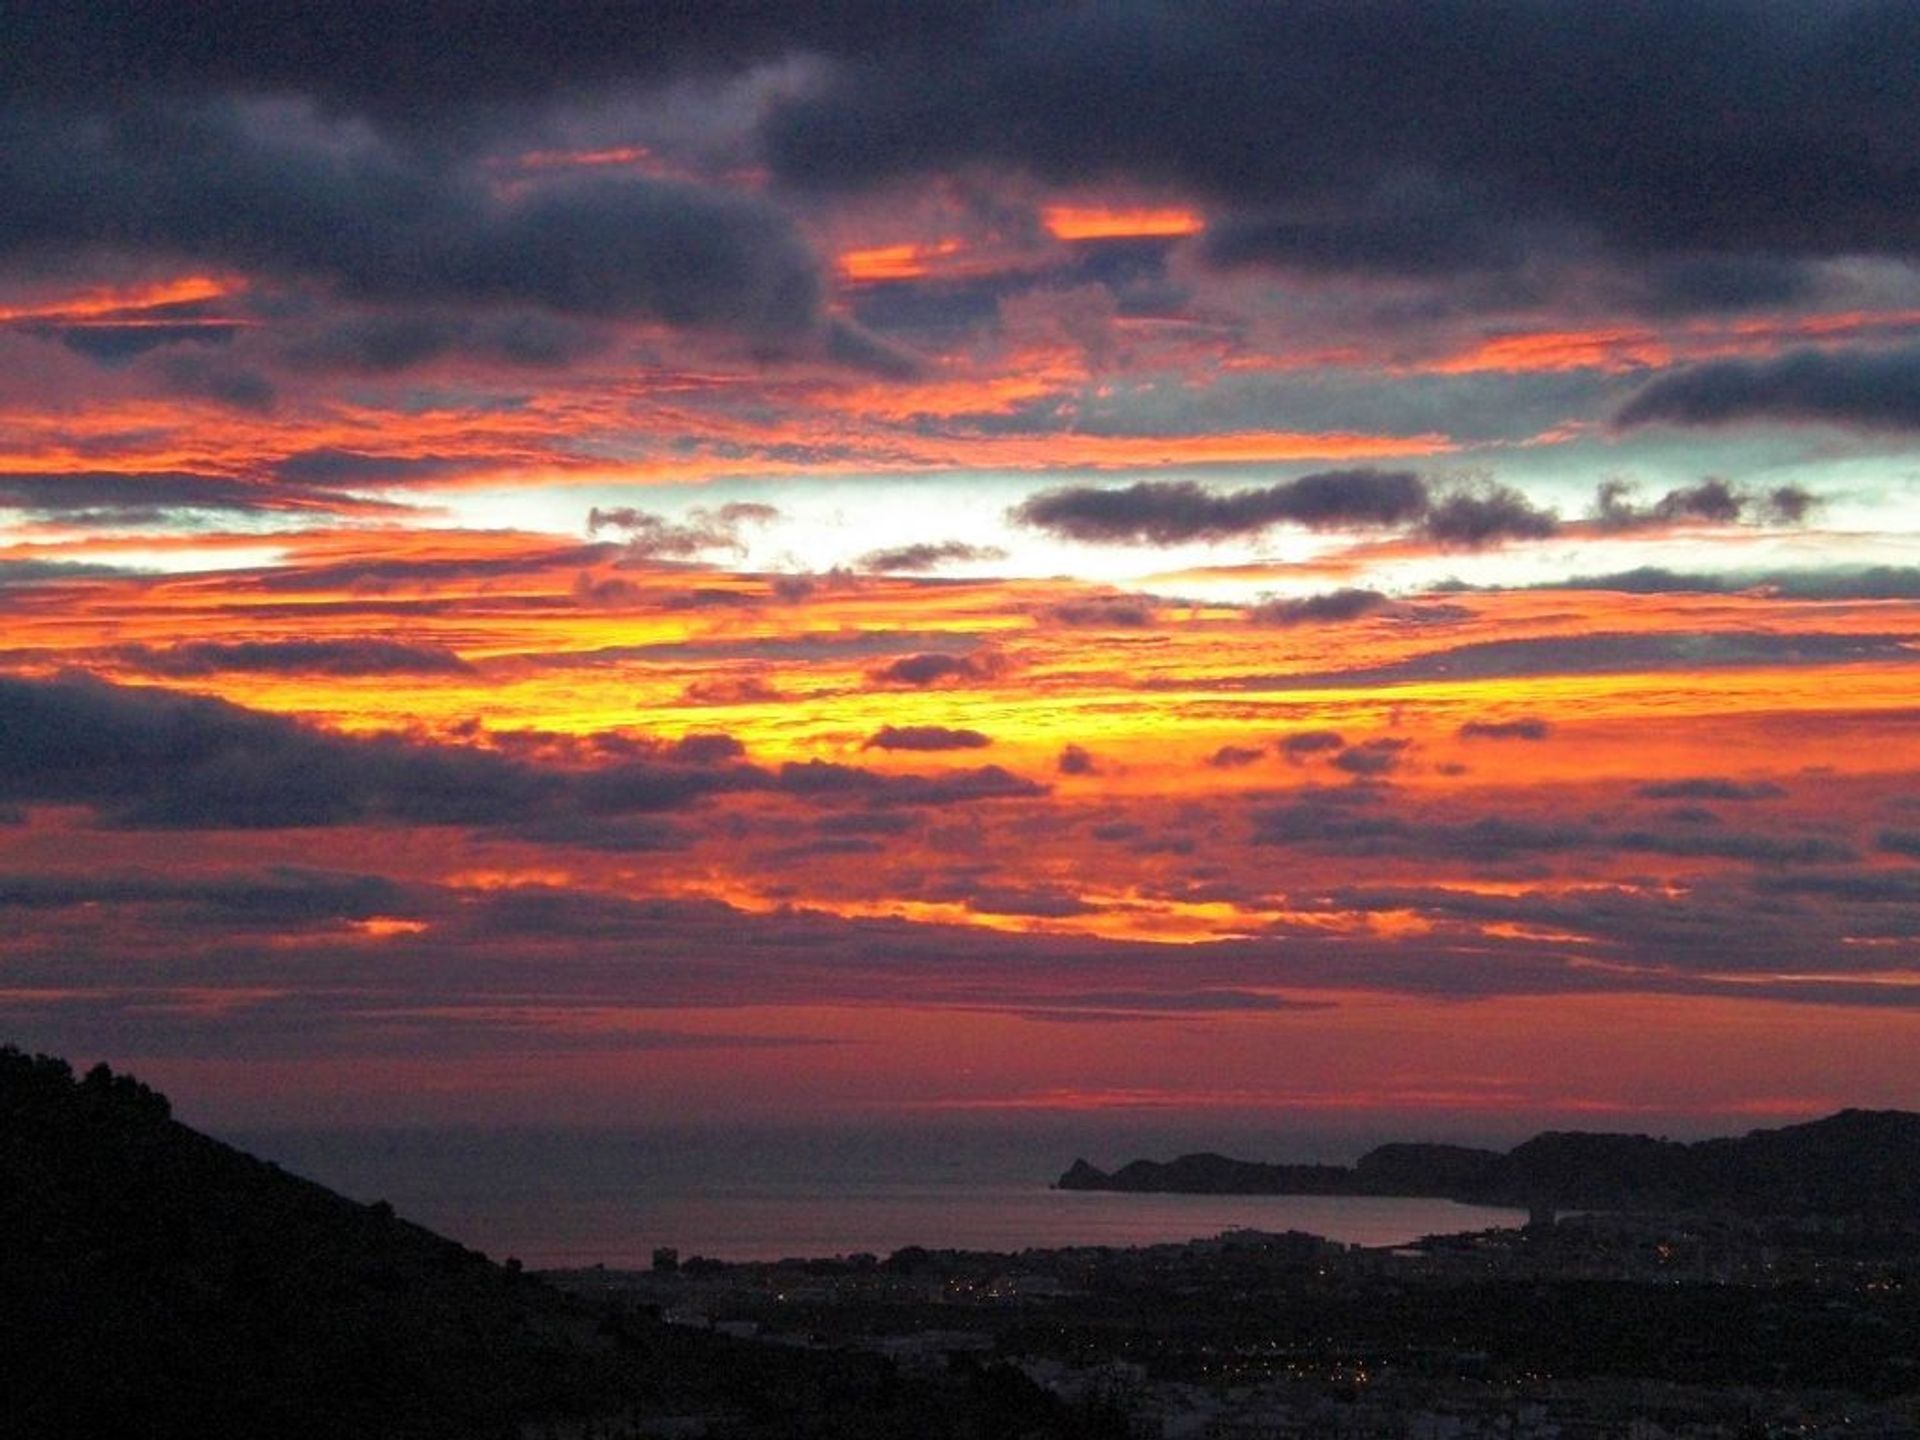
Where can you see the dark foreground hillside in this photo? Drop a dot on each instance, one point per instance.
(156, 1283)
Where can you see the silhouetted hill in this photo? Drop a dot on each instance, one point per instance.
(1427, 1170)
(155, 1283)
(159, 1283)
(1397, 1169)
(1858, 1162)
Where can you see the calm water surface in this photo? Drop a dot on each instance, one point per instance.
(990, 1217)
(559, 1199)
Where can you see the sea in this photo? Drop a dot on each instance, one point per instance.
(561, 1198)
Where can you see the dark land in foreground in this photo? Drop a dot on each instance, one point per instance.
(154, 1282)
(157, 1283)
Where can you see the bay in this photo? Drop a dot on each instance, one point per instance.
(557, 1199)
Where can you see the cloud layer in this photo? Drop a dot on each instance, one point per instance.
(624, 561)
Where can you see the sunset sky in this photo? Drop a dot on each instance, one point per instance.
(610, 564)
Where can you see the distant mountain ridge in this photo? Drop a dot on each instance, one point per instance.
(1856, 1162)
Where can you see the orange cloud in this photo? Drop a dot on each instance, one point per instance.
(101, 302)
(1617, 349)
(618, 155)
(1633, 347)
(1094, 222)
(893, 262)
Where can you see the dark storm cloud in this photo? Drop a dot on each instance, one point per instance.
(1232, 757)
(1477, 516)
(1490, 137)
(1650, 580)
(825, 780)
(1762, 849)
(151, 759)
(1478, 138)
(796, 589)
(647, 787)
(655, 537)
(925, 737)
(1664, 942)
(1874, 390)
(1595, 655)
(1527, 728)
(1788, 504)
(1710, 283)
(605, 590)
(330, 466)
(425, 63)
(271, 188)
(1712, 501)
(109, 492)
(1413, 236)
(734, 513)
(927, 555)
(1709, 788)
(982, 895)
(934, 666)
(1299, 745)
(707, 748)
(732, 690)
(1076, 760)
(374, 575)
(1880, 887)
(1336, 499)
(204, 377)
(617, 834)
(865, 823)
(1333, 822)
(273, 899)
(1872, 582)
(294, 657)
(1172, 512)
(1134, 273)
(1317, 823)
(1115, 612)
(807, 852)
(1331, 608)
(52, 572)
(1485, 133)
(852, 344)
(1467, 516)
(1372, 757)
(145, 758)
(386, 344)
(707, 598)
(115, 344)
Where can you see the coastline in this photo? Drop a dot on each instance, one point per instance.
(766, 1226)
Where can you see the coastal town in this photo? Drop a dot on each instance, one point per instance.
(1601, 1325)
